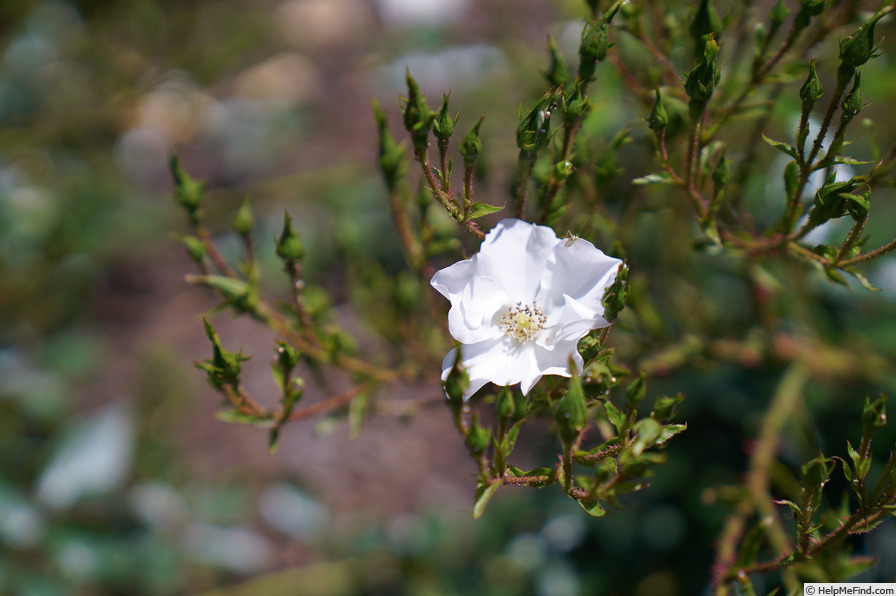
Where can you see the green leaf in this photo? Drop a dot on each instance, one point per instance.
(835, 276)
(232, 288)
(862, 279)
(664, 406)
(791, 178)
(660, 178)
(481, 209)
(237, 417)
(849, 161)
(861, 464)
(592, 507)
(484, 492)
(797, 512)
(510, 437)
(670, 430)
(649, 432)
(788, 149)
(617, 418)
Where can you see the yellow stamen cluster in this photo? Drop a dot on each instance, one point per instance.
(523, 322)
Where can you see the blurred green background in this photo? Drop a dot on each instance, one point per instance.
(115, 476)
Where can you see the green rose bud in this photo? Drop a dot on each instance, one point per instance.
(874, 414)
(852, 103)
(829, 200)
(243, 222)
(457, 383)
(811, 90)
(658, 119)
(701, 81)
(443, 125)
(706, 22)
(391, 153)
(595, 42)
(195, 247)
(534, 131)
(505, 406)
(616, 295)
(778, 16)
(289, 246)
(478, 437)
(471, 146)
(858, 48)
(858, 205)
(576, 104)
(418, 118)
(187, 190)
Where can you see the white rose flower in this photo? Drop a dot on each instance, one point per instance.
(520, 306)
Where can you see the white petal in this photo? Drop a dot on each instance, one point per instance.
(501, 361)
(471, 318)
(531, 379)
(581, 271)
(515, 254)
(555, 360)
(571, 322)
(451, 281)
(448, 362)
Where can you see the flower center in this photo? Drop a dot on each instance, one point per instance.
(523, 322)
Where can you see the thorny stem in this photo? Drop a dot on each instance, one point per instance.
(891, 245)
(690, 165)
(443, 161)
(850, 524)
(593, 458)
(242, 402)
(825, 124)
(331, 403)
(295, 274)
(403, 226)
(524, 171)
(213, 253)
(554, 186)
(468, 189)
(441, 196)
(567, 467)
(783, 403)
(851, 239)
(313, 349)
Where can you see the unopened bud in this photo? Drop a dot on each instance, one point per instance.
(702, 79)
(457, 382)
(243, 222)
(471, 146)
(391, 153)
(187, 190)
(811, 90)
(418, 117)
(289, 246)
(778, 16)
(706, 22)
(443, 125)
(478, 436)
(505, 406)
(852, 103)
(858, 48)
(658, 118)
